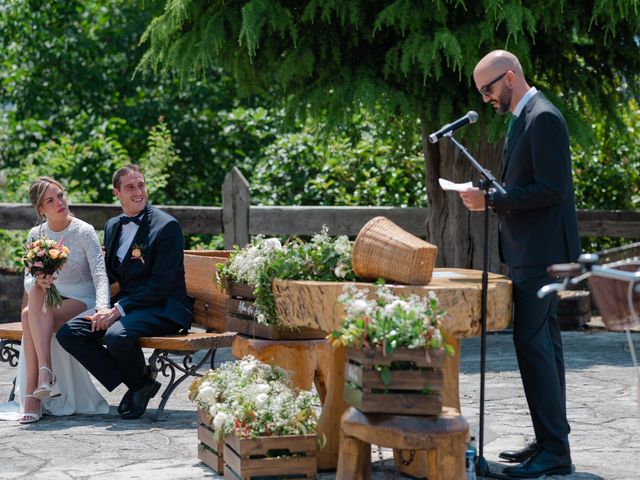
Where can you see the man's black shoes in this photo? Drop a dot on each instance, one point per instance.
(125, 403)
(140, 398)
(542, 463)
(519, 456)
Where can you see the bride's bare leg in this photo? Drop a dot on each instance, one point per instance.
(28, 353)
(42, 325)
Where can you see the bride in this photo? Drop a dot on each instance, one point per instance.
(49, 380)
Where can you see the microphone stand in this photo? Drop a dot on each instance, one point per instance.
(487, 182)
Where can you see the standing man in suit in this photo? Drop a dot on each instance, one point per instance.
(144, 255)
(538, 227)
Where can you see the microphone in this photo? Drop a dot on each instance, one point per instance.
(470, 117)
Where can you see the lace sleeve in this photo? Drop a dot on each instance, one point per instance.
(98, 270)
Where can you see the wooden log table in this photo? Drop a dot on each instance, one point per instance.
(314, 304)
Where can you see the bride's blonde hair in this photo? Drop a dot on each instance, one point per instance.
(37, 190)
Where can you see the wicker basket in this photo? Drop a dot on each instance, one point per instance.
(384, 250)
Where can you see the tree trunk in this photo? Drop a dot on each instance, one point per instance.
(456, 232)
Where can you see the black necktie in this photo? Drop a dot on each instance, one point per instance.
(125, 220)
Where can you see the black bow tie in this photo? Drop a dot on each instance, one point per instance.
(137, 219)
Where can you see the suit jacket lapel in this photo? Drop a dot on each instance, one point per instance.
(516, 131)
(140, 239)
(112, 247)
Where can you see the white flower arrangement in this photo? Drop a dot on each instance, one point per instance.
(246, 262)
(250, 399)
(388, 321)
(322, 258)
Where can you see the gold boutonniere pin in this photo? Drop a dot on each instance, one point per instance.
(137, 253)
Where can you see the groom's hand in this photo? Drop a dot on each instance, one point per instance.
(103, 319)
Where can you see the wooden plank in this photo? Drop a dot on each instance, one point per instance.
(194, 219)
(211, 459)
(374, 356)
(609, 223)
(247, 457)
(308, 220)
(235, 209)
(413, 380)
(246, 447)
(189, 342)
(393, 403)
(201, 280)
(240, 290)
(253, 329)
(305, 220)
(11, 331)
(242, 307)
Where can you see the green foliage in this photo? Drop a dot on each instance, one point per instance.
(414, 58)
(323, 258)
(367, 162)
(159, 160)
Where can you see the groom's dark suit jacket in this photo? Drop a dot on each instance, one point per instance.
(157, 283)
(538, 224)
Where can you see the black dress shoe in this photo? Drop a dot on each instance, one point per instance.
(519, 456)
(140, 398)
(542, 463)
(125, 403)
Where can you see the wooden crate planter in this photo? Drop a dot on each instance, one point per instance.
(242, 313)
(209, 450)
(246, 458)
(415, 387)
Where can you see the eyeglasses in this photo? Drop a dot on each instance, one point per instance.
(486, 89)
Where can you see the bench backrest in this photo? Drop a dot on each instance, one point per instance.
(210, 300)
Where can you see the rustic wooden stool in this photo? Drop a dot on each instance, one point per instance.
(444, 438)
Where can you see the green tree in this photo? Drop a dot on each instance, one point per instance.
(413, 59)
(67, 79)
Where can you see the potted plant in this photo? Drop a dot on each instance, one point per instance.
(395, 348)
(267, 425)
(321, 258)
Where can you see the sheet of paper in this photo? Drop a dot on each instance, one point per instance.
(455, 187)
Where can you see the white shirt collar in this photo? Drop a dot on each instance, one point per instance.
(524, 100)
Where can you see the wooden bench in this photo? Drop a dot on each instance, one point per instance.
(173, 355)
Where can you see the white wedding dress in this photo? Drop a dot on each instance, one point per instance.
(84, 278)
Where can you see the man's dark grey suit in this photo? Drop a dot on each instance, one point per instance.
(538, 227)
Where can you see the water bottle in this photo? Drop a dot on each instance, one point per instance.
(472, 446)
(470, 464)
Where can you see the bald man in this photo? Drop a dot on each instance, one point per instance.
(538, 227)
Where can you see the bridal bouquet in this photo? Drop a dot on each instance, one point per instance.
(45, 257)
(250, 399)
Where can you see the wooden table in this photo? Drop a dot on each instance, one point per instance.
(314, 304)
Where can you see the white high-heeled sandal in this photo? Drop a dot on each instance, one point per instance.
(47, 390)
(30, 417)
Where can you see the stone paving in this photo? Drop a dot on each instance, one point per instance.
(601, 396)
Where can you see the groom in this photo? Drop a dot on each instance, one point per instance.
(144, 254)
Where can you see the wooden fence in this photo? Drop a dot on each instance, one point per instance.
(238, 220)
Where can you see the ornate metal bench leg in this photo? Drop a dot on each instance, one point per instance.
(10, 354)
(161, 362)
